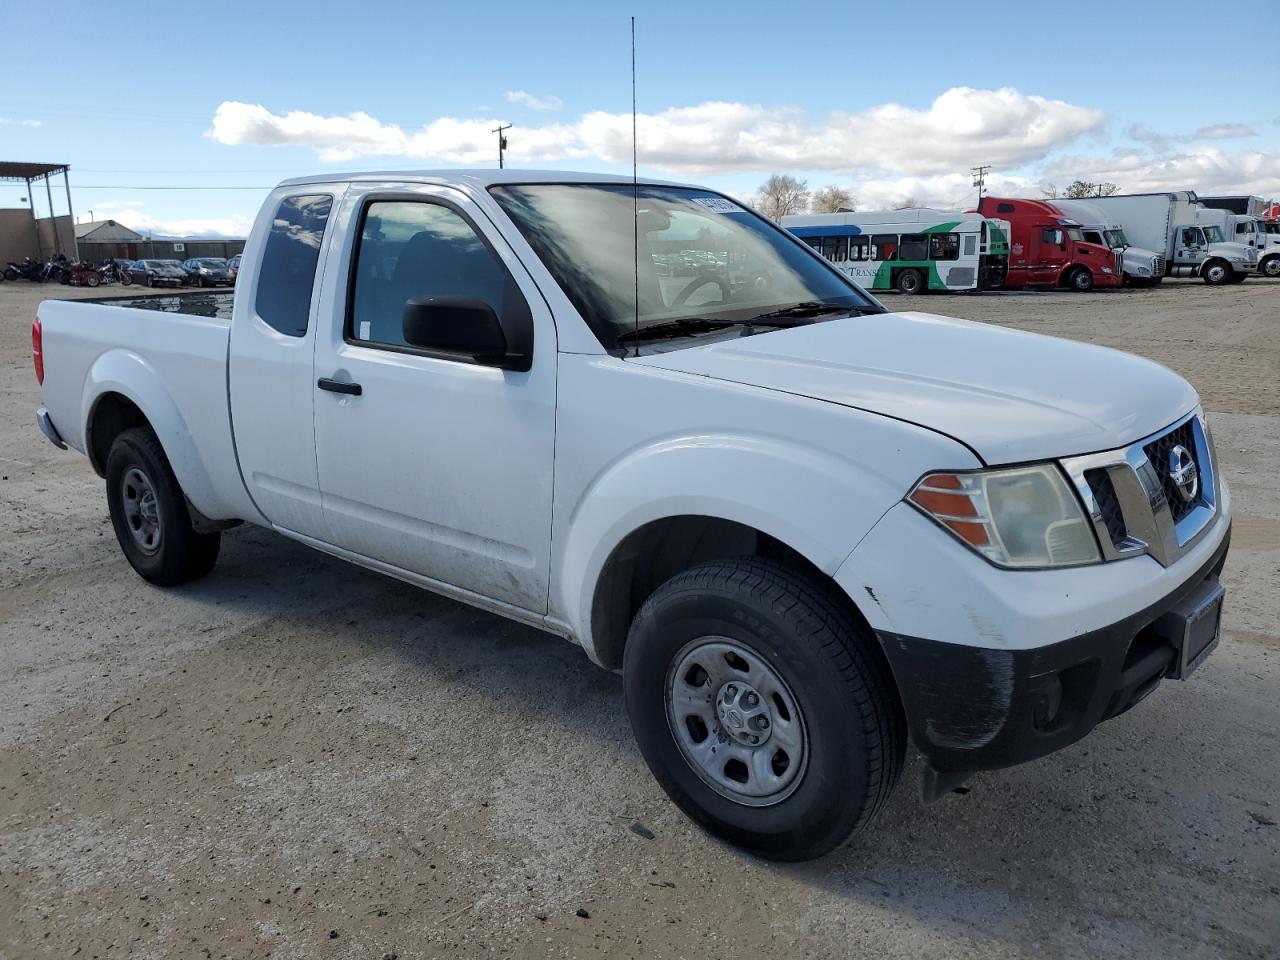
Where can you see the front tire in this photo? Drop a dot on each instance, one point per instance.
(1081, 280)
(1270, 267)
(150, 516)
(1216, 273)
(734, 650)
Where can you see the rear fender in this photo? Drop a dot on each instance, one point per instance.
(128, 374)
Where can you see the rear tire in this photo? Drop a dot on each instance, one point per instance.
(834, 737)
(150, 516)
(910, 281)
(1080, 280)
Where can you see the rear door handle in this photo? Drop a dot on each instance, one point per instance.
(337, 386)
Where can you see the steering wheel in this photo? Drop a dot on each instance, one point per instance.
(701, 280)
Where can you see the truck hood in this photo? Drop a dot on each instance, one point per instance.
(1010, 396)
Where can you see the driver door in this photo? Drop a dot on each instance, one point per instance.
(438, 465)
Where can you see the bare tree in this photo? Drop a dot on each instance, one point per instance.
(907, 204)
(1082, 189)
(782, 194)
(833, 199)
(1049, 191)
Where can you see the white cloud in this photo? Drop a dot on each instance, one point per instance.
(17, 122)
(961, 127)
(1224, 131)
(525, 99)
(1205, 169)
(129, 213)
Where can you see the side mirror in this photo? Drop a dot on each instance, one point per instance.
(459, 325)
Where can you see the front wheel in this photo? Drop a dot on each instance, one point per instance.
(126, 279)
(1081, 280)
(1237, 277)
(1216, 273)
(764, 711)
(1270, 267)
(150, 516)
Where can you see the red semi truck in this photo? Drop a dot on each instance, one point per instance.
(1047, 249)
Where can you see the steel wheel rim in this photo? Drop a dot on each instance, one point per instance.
(141, 510)
(719, 695)
(1272, 268)
(1217, 273)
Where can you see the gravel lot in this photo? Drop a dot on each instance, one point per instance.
(297, 758)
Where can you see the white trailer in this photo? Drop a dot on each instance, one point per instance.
(1141, 266)
(1169, 224)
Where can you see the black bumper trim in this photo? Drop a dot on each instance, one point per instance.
(980, 708)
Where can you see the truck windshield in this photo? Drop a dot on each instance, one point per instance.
(1115, 238)
(1213, 234)
(698, 261)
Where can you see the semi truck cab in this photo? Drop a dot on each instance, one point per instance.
(1048, 249)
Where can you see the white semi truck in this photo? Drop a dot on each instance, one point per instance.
(1171, 224)
(1141, 266)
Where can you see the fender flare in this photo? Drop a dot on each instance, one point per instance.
(832, 503)
(126, 373)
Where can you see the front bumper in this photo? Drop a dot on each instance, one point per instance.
(978, 708)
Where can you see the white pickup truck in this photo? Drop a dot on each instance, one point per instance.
(804, 528)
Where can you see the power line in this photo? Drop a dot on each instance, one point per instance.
(980, 178)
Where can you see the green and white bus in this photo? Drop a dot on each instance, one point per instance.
(910, 251)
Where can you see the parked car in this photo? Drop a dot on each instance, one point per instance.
(802, 527)
(208, 272)
(158, 273)
(233, 267)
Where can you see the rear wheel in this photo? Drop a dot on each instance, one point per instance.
(93, 279)
(763, 710)
(1080, 280)
(1216, 273)
(910, 281)
(150, 516)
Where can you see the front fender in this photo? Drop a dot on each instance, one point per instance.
(124, 372)
(816, 502)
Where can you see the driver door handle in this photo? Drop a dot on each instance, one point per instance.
(337, 386)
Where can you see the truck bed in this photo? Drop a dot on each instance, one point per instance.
(159, 360)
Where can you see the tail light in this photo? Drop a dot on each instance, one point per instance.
(37, 350)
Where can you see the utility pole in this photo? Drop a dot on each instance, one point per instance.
(980, 178)
(502, 140)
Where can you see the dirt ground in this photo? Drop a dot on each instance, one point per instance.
(296, 758)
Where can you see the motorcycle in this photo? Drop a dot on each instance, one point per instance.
(28, 269)
(112, 272)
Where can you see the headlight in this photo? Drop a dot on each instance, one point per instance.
(1021, 517)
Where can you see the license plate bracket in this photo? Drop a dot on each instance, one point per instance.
(1194, 626)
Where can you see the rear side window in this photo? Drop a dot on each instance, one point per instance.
(915, 246)
(288, 271)
(884, 246)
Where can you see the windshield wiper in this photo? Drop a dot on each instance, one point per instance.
(679, 327)
(804, 310)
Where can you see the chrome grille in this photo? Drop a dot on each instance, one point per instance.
(1157, 266)
(1134, 503)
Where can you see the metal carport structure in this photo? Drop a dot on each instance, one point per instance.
(29, 173)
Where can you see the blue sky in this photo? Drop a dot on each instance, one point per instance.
(894, 102)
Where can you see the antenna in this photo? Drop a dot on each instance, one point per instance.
(635, 184)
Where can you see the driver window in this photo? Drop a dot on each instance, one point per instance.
(411, 250)
(1190, 237)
